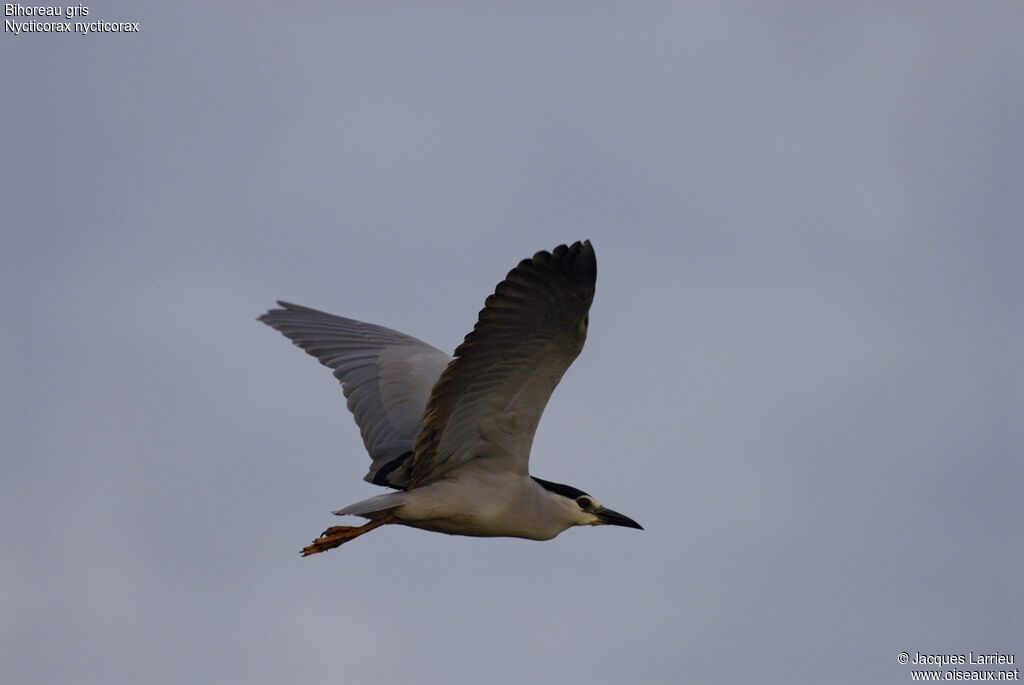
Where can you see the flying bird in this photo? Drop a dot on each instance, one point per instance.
(452, 435)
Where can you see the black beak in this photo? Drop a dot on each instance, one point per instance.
(614, 518)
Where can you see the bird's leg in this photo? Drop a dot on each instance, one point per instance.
(339, 535)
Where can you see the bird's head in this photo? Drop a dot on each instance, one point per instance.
(581, 509)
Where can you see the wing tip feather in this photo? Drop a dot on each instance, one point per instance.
(566, 275)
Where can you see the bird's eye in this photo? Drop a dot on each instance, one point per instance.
(584, 503)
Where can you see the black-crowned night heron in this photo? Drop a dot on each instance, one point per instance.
(453, 434)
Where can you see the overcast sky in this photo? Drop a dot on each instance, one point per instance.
(804, 374)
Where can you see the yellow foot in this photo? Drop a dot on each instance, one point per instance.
(331, 538)
(339, 535)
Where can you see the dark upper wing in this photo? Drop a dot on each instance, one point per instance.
(488, 401)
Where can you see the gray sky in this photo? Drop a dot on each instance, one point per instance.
(804, 371)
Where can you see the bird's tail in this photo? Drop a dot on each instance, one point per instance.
(375, 507)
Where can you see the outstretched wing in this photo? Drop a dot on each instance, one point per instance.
(386, 376)
(488, 401)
